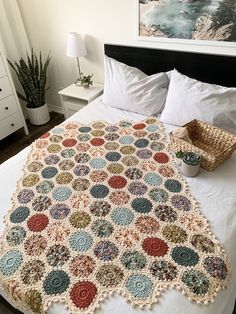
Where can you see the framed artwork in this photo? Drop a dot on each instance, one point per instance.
(208, 22)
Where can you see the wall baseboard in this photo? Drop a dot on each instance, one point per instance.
(55, 108)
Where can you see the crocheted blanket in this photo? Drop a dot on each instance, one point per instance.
(103, 209)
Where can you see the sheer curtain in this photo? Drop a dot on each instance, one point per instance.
(13, 37)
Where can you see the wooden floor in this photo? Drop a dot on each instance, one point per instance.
(15, 142)
(10, 146)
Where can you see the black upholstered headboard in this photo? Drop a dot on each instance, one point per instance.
(211, 68)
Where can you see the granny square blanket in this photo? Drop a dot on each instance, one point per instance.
(103, 209)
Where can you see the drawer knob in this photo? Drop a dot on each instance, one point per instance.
(12, 124)
(6, 108)
(0, 89)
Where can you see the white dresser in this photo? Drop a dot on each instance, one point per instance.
(11, 116)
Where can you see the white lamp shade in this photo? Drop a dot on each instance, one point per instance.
(75, 45)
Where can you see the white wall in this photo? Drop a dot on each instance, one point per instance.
(47, 23)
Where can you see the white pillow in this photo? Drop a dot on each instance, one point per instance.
(130, 89)
(189, 99)
(169, 73)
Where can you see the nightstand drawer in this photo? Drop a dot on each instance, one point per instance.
(10, 125)
(2, 68)
(5, 87)
(8, 106)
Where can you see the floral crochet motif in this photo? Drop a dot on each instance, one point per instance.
(163, 270)
(140, 286)
(133, 260)
(196, 281)
(82, 266)
(109, 275)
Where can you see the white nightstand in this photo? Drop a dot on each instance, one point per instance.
(74, 98)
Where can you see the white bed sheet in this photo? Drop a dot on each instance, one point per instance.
(215, 191)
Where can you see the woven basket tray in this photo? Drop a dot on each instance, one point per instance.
(213, 144)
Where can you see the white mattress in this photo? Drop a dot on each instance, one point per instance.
(215, 191)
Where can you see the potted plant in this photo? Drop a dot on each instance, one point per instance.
(84, 80)
(190, 164)
(32, 75)
(178, 157)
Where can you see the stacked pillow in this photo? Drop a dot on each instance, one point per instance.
(189, 99)
(130, 89)
(177, 97)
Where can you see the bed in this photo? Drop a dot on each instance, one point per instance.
(215, 191)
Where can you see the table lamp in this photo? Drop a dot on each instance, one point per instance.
(76, 48)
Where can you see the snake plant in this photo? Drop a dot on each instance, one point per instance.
(32, 75)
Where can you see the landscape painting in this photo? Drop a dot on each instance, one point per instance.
(209, 20)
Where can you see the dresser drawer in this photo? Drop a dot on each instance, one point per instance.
(8, 106)
(2, 68)
(10, 125)
(5, 87)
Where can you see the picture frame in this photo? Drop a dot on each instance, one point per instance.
(168, 40)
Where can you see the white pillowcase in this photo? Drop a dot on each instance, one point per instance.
(130, 89)
(189, 99)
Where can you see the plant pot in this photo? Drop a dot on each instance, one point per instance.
(85, 85)
(189, 170)
(38, 116)
(178, 161)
